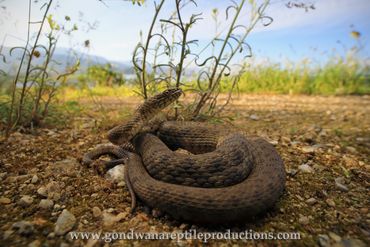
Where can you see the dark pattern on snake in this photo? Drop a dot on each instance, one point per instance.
(248, 172)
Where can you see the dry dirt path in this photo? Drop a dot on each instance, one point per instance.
(324, 142)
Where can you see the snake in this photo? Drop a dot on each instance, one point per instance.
(225, 176)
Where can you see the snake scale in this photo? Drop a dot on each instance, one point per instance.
(227, 177)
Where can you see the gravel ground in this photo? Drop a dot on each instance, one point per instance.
(45, 193)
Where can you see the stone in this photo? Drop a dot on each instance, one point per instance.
(323, 240)
(5, 200)
(311, 201)
(350, 243)
(306, 168)
(339, 183)
(46, 204)
(25, 201)
(34, 179)
(42, 191)
(309, 149)
(304, 220)
(330, 202)
(36, 243)
(96, 212)
(24, 228)
(65, 222)
(7, 234)
(116, 174)
(109, 219)
(334, 236)
(254, 117)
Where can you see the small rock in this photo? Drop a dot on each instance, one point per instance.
(350, 243)
(254, 117)
(42, 191)
(309, 149)
(311, 201)
(96, 212)
(34, 179)
(292, 172)
(339, 183)
(5, 200)
(351, 149)
(24, 228)
(304, 220)
(7, 234)
(109, 219)
(116, 174)
(334, 236)
(36, 243)
(46, 204)
(3, 175)
(25, 201)
(306, 168)
(274, 142)
(323, 240)
(330, 202)
(65, 223)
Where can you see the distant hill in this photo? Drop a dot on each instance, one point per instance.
(63, 58)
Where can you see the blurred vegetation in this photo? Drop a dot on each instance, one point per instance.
(39, 94)
(101, 75)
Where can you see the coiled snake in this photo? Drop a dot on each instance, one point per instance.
(227, 177)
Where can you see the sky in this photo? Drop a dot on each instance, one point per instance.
(294, 34)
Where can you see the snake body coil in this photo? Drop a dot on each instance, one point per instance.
(226, 178)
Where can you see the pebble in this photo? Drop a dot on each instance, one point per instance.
(273, 142)
(350, 243)
(323, 240)
(334, 236)
(304, 220)
(65, 223)
(306, 168)
(5, 200)
(46, 204)
(311, 201)
(96, 212)
(35, 243)
(116, 174)
(7, 234)
(24, 228)
(254, 117)
(292, 172)
(3, 175)
(330, 202)
(308, 149)
(42, 191)
(34, 179)
(339, 183)
(351, 149)
(109, 219)
(25, 201)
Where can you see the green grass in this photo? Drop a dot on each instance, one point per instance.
(334, 78)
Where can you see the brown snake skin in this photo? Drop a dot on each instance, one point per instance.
(227, 178)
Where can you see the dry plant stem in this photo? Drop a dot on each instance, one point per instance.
(14, 88)
(19, 112)
(213, 83)
(42, 83)
(205, 96)
(143, 72)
